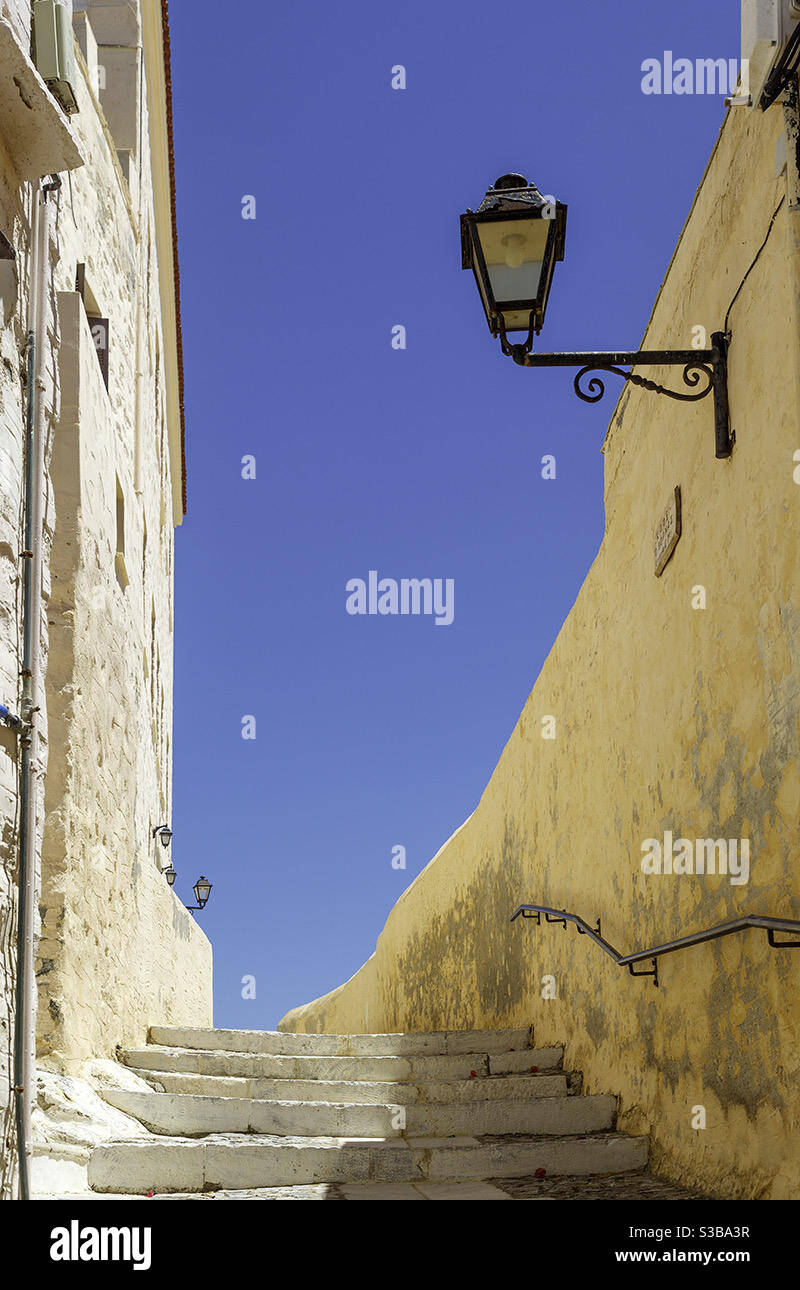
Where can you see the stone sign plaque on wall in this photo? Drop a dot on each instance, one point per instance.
(668, 530)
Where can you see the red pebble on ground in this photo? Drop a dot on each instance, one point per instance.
(473, 1074)
(540, 1173)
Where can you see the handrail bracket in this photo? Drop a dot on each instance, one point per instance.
(781, 945)
(653, 971)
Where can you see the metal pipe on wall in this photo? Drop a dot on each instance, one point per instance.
(142, 267)
(30, 770)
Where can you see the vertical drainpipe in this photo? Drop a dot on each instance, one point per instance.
(30, 770)
(141, 268)
(139, 386)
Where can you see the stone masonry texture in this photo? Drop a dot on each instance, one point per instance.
(117, 948)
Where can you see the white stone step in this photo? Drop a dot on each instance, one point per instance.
(415, 1069)
(519, 1062)
(189, 1115)
(239, 1162)
(320, 1191)
(471, 1190)
(551, 1083)
(542, 1115)
(286, 1043)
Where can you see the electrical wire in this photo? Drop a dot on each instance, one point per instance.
(755, 261)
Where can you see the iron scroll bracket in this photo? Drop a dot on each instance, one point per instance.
(705, 371)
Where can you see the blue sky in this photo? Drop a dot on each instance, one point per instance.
(374, 732)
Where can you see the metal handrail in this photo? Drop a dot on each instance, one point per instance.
(761, 921)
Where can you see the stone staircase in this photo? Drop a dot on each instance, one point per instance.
(400, 1116)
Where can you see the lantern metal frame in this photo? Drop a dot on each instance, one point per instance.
(511, 205)
(201, 904)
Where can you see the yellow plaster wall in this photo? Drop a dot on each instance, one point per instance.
(668, 717)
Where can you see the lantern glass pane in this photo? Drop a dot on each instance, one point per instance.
(514, 252)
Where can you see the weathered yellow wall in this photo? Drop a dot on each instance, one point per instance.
(117, 946)
(668, 717)
(118, 950)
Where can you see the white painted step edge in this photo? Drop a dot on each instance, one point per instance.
(290, 1044)
(195, 1115)
(279, 1066)
(229, 1162)
(507, 1087)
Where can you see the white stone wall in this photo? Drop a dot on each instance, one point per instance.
(118, 950)
(18, 14)
(15, 221)
(11, 436)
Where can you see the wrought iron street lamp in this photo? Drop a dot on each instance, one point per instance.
(164, 833)
(512, 243)
(202, 891)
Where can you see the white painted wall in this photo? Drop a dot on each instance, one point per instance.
(118, 951)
